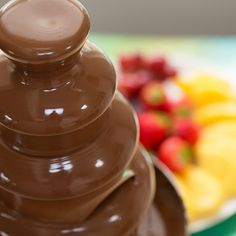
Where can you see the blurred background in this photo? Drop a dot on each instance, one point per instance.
(162, 16)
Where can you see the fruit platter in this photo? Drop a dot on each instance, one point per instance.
(188, 123)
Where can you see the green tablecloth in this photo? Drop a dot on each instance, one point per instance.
(227, 228)
(213, 55)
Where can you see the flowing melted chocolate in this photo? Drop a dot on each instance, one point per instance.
(70, 162)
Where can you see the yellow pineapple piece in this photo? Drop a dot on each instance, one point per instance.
(215, 112)
(187, 199)
(216, 153)
(202, 193)
(205, 89)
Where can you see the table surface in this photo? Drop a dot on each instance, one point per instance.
(216, 55)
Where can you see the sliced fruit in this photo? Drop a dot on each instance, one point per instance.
(215, 112)
(215, 152)
(157, 64)
(154, 127)
(175, 153)
(201, 192)
(130, 63)
(205, 89)
(182, 107)
(131, 83)
(170, 72)
(186, 129)
(161, 68)
(153, 96)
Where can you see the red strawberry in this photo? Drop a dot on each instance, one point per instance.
(131, 83)
(170, 72)
(157, 65)
(186, 129)
(175, 153)
(154, 127)
(153, 96)
(132, 62)
(161, 68)
(182, 107)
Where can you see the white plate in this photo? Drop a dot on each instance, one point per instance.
(227, 210)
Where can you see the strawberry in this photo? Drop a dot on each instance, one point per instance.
(161, 68)
(131, 83)
(170, 72)
(175, 153)
(154, 126)
(186, 129)
(132, 62)
(153, 96)
(157, 65)
(182, 107)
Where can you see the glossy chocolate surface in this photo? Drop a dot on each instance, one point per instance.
(70, 162)
(35, 31)
(49, 104)
(99, 162)
(166, 217)
(117, 215)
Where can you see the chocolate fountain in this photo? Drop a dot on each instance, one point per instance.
(70, 163)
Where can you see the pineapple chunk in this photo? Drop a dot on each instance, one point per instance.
(202, 193)
(216, 153)
(206, 89)
(215, 112)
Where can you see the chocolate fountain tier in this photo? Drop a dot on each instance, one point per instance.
(117, 215)
(46, 30)
(166, 216)
(98, 163)
(60, 101)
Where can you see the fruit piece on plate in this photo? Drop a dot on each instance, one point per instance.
(215, 112)
(132, 62)
(170, 72)
(153, 96)
(162, 70)
(181, 107)
(201, 192)
(205, 89)
(157, 65)
(131, 83)
(154, 126)
(215, 152)
(175, 153)
(187, 198)
(187, 129)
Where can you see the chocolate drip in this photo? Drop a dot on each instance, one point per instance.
(70, 162)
